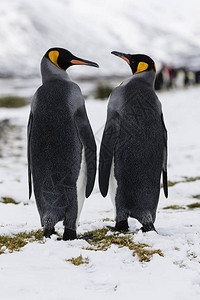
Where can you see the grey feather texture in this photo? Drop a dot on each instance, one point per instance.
(136, 141)
(55, 145)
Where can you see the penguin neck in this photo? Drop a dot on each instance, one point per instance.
(50, 71)
(148, 77)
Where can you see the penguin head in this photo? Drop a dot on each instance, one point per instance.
(63, 59)
(138, 62)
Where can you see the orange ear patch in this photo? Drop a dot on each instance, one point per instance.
(53, 55)
(142, 66)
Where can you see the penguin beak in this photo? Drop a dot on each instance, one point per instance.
(80, 61)
(122, 55)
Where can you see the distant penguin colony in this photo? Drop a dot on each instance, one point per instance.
(62, 148)
(61, 145)
(134, 146)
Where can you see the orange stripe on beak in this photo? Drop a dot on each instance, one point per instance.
(78, 62)
(126, 59)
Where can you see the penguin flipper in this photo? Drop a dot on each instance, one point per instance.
(165, 182)
(110, 135)
(88, 141)
(30, 121)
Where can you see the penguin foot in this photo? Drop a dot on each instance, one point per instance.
(69, 234)
(119, 226)
(148, 227)
(47, 232)
(84, 237)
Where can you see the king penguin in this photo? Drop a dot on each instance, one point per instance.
(61, 145)
(133, 150)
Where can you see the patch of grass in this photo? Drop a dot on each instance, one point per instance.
(102, 91)
(196, 197)
(186, 179)
(32, 235)
(171, 183)
(12, 101)
(177, 249)
(12, 243)
(194, 205)
(1, 251)
(143, 253)
(107, 219)
(101, 242)
(191, 255)
(19, 240)
(7, 200)
(174, 207)
(78, 260)
(191, 179)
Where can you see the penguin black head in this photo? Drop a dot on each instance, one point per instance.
(63, 59)
(138, 62)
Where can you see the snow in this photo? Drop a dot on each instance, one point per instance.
(166, 30)
(40, 270)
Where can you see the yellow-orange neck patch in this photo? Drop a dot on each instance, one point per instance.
(122, 82)
(142, 66)
(53, 55)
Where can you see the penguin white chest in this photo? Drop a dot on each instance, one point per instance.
(113, 186)
(81, 185)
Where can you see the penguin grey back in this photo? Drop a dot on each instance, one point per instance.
(134, 140)
(58, 132)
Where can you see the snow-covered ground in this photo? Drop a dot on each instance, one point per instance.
(40, 270)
